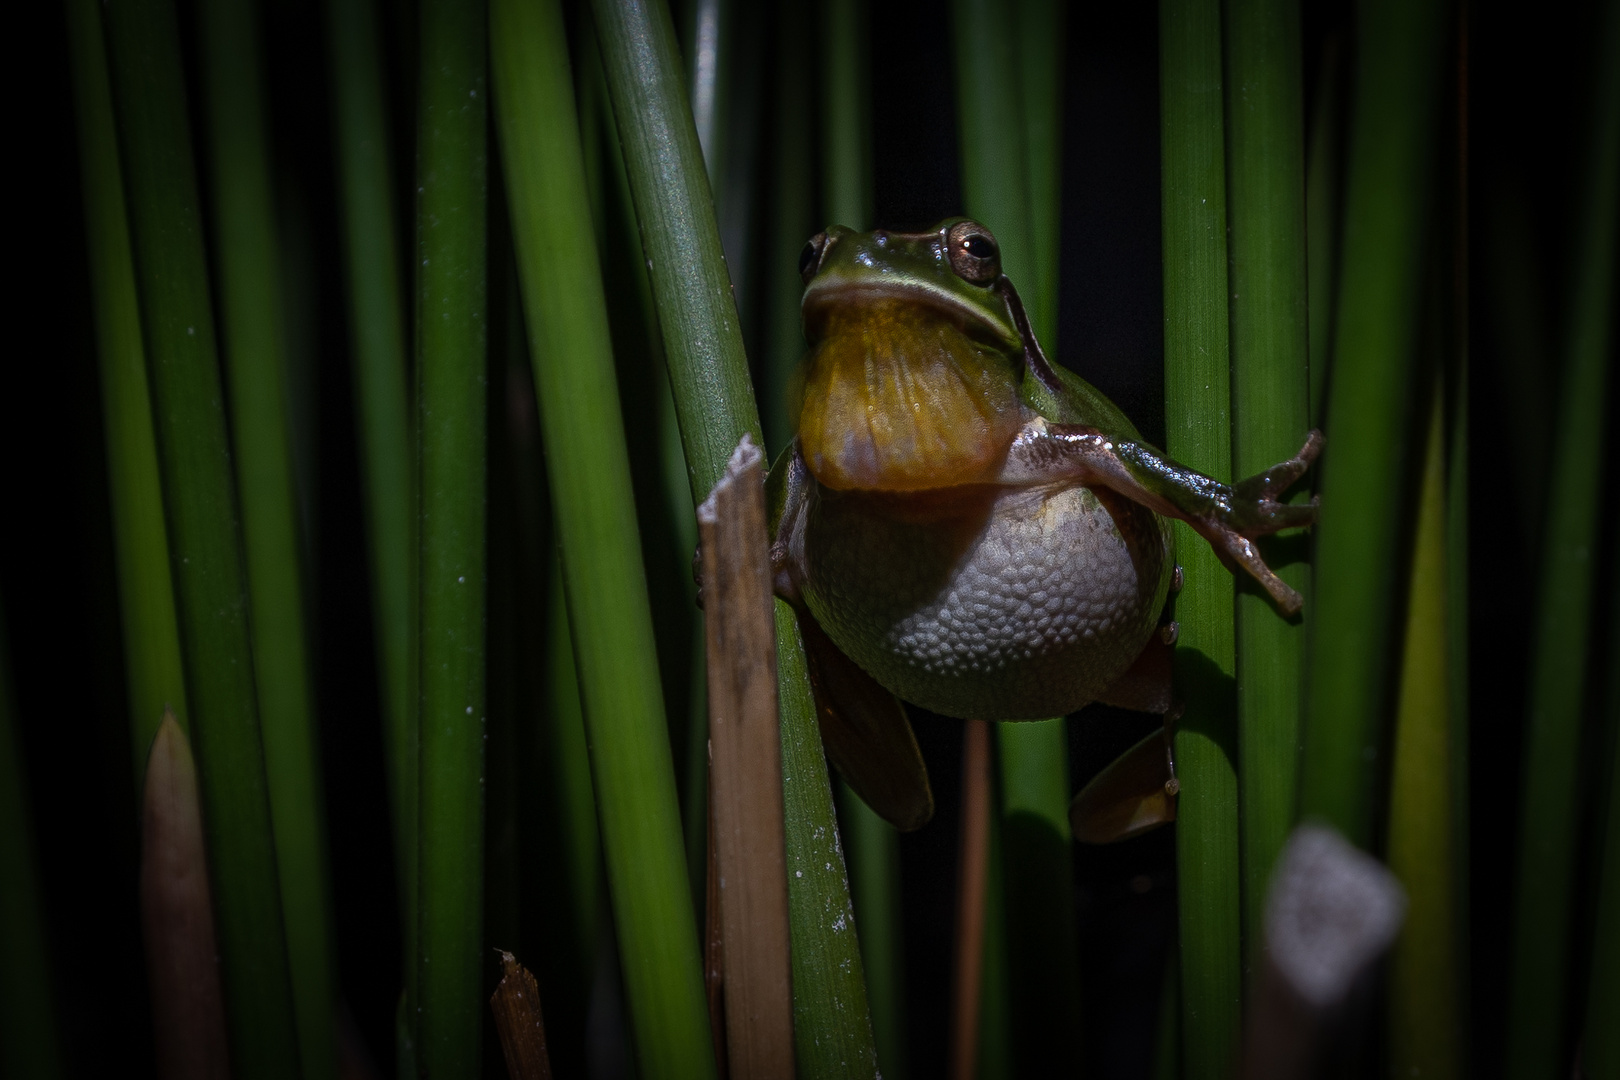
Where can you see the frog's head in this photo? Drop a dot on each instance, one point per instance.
(912, 381)
(951, 273)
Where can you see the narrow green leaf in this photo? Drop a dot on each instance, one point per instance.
(378, 347)
(1270, 403)
(1560, 649)
(140, 535)
(451, 312)
(1366, 467)
(846, 114)
(251, 320)
(831, 1031)
(1197, 422)
(1322, 223)
(594, 506)
(210, 586)
(1424, 991)
(714, 401)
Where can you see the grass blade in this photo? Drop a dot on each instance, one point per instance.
(1042, 39)
(1366, 468)
(1271, 403)
(1322, 225)
(846, 114)
(140, 535)
(595, 519)
(715, 404)
(172, 274)
(251, 318)
(1544, 890)
(1424, 990)
(377, 344)
(29, 1043)
(451, 367)
(1197, 420)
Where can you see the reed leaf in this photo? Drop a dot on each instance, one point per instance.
(714, 401)
(377, 346)
(204, 545)
(140, 536)
(251, 319)
(594, 508)
(1424, 991)
(1544, 890)
(1197, 422)
(1364, 476)
(450, 369)
(1270, 403)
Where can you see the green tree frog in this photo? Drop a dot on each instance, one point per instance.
(961, 524)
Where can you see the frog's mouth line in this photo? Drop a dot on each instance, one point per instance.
(824, 296)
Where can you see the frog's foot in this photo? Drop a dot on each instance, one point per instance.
(1256, 510)
(1228, 516)
(1134, 794)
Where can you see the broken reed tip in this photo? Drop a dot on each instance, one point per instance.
(747, 456)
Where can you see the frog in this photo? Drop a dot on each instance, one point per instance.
(961, 524)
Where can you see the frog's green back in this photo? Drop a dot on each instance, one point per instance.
(1077, 402)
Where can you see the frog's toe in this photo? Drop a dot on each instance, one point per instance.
(1266, 486)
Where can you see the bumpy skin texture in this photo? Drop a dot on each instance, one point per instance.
(1008, 603)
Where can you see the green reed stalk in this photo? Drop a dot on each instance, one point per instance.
(1042, 41)
(1322, 225)
(1003, 170)
(1197, 420)
(1366, 468)
(1543, 894)
(29, 1042)
(140, 536)
(1423, 987)
(1265, 167)
(377, 343)
(589, 470)
(715, 404)
(846, 114)
(210, 586)
(251, 320)
(450, 369)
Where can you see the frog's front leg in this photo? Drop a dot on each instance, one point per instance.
(1228, 516)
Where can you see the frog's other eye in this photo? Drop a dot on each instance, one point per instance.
(810, 257)
(974, 254)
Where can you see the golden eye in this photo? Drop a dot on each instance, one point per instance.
(974, 254)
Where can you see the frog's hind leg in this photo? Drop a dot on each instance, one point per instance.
(866, 733)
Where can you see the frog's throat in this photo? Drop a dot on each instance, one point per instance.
(897, 398)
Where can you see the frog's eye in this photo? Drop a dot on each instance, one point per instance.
(810, 257)
(974, 254)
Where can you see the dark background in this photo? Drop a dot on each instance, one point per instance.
(1526, 82)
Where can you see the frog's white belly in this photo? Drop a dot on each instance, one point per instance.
(1024, 606)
